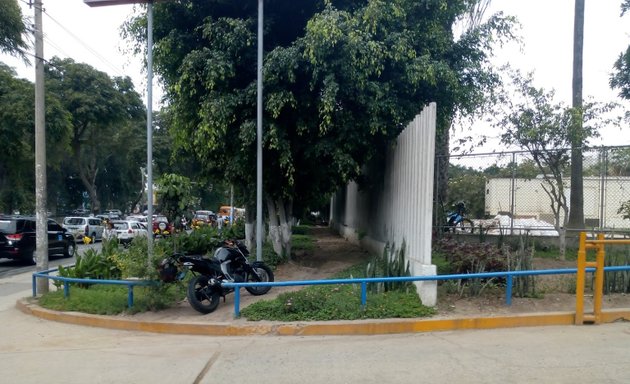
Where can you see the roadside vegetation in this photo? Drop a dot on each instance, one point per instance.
(325, 302)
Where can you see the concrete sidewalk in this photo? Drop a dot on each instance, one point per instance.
(33, 350)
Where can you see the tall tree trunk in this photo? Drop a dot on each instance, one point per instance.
(285, 210)
(250, 228)
(576, 211)
(274, 227)
(280, 226)
(440, 177)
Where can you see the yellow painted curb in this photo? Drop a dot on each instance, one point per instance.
(362, 327)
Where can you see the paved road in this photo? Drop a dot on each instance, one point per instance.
(10, 267)
(33, 350)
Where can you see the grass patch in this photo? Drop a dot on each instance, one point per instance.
(302, 242)
(112, 300)
(336, 302)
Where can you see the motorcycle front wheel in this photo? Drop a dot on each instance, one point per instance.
(201, 296)
(265, 274)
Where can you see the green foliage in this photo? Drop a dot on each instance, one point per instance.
(174, 193)
(301, 229)
(521, 260)
(112, 300)
(107, 123)
(12, 29)
(468, 185)
(341, 80)
(91, 265)
(302, 242)
(271, 258)
(336, 302)
(624, 209)
(619, 281)
(17, 122)
(391, 263)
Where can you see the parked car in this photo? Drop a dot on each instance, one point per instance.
(80, 212)
(140, 218)
(127, 230)
(84, 226)
(161, 226)
(202, 218)
(18, 239)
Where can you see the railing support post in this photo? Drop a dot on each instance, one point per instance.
(599, 279)
(130, 295)
(66, 289)
(237, 302)
(508, 290)
(580, 280)
(363, 295)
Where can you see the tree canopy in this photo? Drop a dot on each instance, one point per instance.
(107, 126)
(342, 78)
(12, 29)
(620, 79)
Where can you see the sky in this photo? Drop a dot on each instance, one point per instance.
(91, 35)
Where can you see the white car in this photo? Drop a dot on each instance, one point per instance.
(84, 226)
(127, 230)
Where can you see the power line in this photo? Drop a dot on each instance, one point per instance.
(86, 46)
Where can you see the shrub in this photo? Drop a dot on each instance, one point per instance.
(471, 257)
(90, 265)
(390, 264)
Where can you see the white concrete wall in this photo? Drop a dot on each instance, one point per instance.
(401, 209)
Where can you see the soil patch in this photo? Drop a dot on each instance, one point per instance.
(332, 254)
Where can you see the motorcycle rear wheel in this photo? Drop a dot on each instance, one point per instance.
(266, 275)
(201, 296)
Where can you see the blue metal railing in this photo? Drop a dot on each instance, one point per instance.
(67, 280)
(508, 275)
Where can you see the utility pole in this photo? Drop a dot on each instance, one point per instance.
(41, 234)
(259, 134)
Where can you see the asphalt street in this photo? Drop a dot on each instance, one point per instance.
(33, 350)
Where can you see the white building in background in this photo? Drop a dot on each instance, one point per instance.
(526, 198)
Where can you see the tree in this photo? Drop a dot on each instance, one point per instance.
(576, 134)
(17, 122)
(12, 29)
(175, 196)
(620, 79)
(103, 110)
(534, 122)
(342, 79)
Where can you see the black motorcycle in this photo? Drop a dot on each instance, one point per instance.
(228, 265)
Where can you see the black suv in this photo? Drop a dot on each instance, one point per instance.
(17, 239)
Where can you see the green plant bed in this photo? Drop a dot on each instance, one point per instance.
(112, 300)
(336, 302)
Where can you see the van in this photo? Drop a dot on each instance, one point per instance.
(84, 226)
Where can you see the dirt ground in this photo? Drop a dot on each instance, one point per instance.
(332, 254)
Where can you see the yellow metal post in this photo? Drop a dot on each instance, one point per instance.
(599, 279)
(580, 278)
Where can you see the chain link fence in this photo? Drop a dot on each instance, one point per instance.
(510, 193)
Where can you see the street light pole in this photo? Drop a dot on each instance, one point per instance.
(41, 235)
(98, 3)
(259, 133)
(150, 130)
